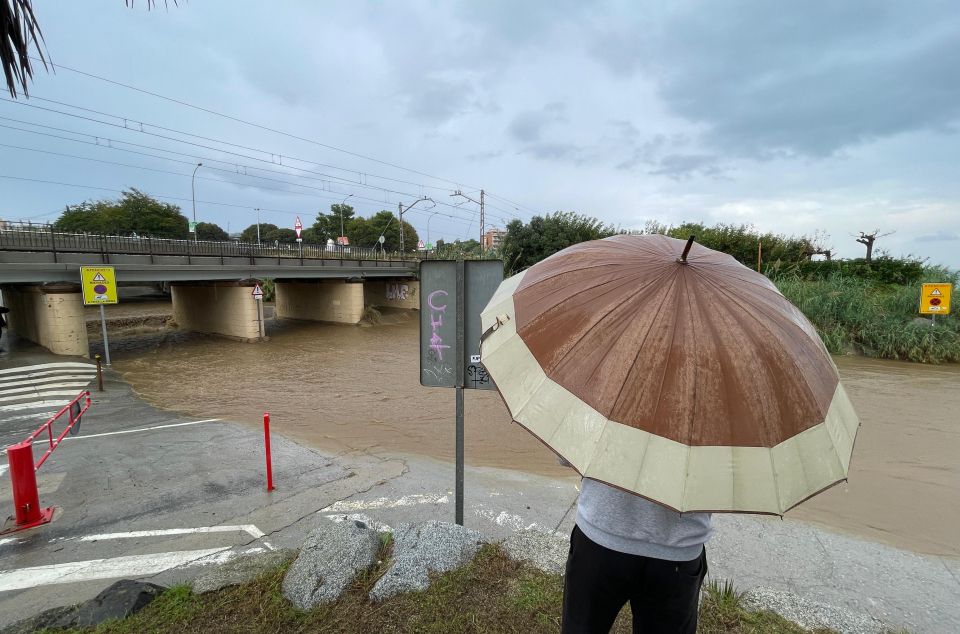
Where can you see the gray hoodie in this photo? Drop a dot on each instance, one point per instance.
(631, 524)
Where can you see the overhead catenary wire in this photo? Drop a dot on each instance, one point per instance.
(335, 194)
(181, 102)
(167, 197)
(324, 176)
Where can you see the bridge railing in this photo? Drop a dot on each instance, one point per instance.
(47, 240)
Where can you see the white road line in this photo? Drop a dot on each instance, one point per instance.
(39, 416)
(46, 376)
(35, 405)
(68, 393)
(128, 566)
(511, 521)
(46, 366)
(34, 390)
(3, 469)
(133, 431)
(345, 506)
(43, 381)
(250, 529)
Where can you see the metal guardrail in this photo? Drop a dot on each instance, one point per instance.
(50, 241)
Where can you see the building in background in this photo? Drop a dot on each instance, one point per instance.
(492, 238)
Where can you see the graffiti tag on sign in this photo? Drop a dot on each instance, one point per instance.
(477, 375)
(437, 312)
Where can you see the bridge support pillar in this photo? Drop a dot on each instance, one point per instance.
(335, 301)
(50, 315)
(219, 308)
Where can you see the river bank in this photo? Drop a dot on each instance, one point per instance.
(345, 389)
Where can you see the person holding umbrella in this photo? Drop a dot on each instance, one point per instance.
(678, 383)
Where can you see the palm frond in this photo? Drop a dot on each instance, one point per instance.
(18, 31)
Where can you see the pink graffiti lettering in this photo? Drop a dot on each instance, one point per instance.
(436, 320)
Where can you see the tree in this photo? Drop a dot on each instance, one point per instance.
(135, 212)
(250, 233)
(867, 239)
(280, 234)
(210, 231)
(526, 244)
(741, 241)
(327, 226)
(366, 232)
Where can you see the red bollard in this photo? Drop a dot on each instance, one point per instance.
(23, 479)
(266, 441)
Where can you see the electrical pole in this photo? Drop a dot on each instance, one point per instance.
(482, 225)
(400, 208)
(479, 202)
(258, 224)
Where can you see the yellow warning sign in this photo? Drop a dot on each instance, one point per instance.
(99, 285)
(935, 299)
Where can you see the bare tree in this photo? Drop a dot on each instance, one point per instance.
(818, 246)
(867, 239)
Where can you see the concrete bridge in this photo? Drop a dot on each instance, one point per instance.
(211, 283)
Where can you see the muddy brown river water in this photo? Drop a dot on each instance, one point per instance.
(349, 388)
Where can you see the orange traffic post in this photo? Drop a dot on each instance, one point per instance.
(23, 479)
(266, 442)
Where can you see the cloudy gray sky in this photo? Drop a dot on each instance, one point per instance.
(795, 117)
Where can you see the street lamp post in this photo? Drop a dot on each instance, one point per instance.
(342, 203)
(193, 197)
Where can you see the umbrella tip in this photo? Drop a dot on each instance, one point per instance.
(683, 256)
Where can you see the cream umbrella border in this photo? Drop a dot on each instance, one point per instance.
(684, 478)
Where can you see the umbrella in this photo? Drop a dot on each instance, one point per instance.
(671, 371)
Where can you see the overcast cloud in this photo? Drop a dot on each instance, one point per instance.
(795, 117)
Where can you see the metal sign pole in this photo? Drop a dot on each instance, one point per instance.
(459, 389)
(106, 342)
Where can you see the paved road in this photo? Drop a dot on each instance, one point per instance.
(150, 494)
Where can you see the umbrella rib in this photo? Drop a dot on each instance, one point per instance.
(597, 323)
(640, 347)
(793, 361)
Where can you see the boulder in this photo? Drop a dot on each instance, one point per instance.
(118, 601)
(419, 549)
(329, 560)
(542, 551)
(239, 570)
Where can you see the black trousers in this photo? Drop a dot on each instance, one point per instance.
(663, 595)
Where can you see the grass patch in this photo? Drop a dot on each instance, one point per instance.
(371, 315)
(490, 594)
(875, 318)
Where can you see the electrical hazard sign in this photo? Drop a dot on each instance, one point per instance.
(99, 285)
(935, 299)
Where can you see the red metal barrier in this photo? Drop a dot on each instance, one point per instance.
(23, 471)
(266, 441)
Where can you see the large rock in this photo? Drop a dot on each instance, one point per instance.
(239, 570)
(120, 600)
(419, 549)
(545, 552)
(329, 559)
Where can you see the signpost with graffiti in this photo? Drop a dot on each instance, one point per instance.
(452, 295)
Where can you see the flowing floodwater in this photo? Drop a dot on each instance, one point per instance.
(349, 388)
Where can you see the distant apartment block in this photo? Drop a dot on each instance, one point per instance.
(492, 238)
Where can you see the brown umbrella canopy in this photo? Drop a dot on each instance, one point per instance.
(704, 353)
(693, 383)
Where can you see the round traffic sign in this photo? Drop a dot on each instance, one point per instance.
(934, 301)
(99, 289)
